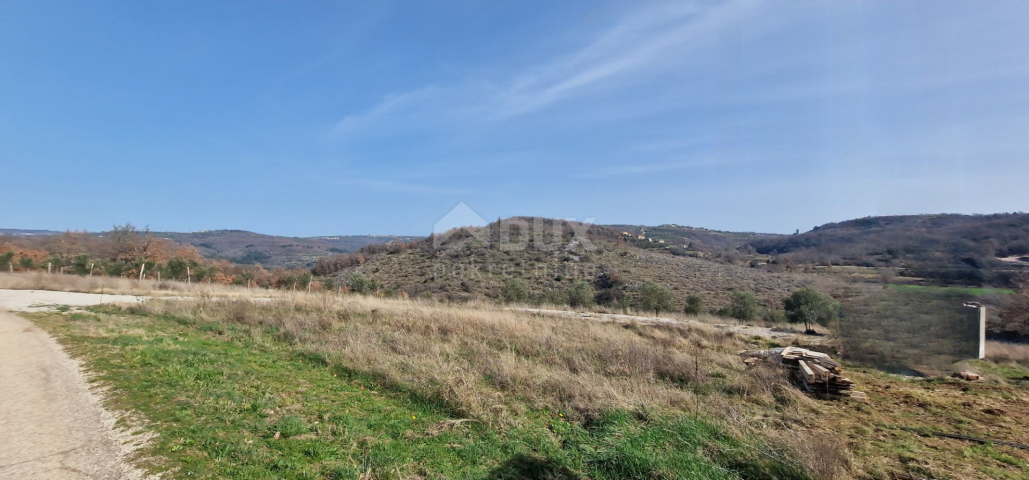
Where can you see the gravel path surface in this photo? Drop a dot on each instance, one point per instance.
(52, 424)
(36, 300)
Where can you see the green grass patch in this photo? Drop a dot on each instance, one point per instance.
(230, 401)
(974, 291)
(1008, 370)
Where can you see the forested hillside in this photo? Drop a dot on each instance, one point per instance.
(249, 248)
(959, 249)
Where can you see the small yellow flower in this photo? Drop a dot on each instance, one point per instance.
(413, 417)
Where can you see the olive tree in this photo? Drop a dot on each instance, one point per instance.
(694, 305)
(655, 297)
(580, 295)
(810, 307)
(515, 291)
(744, 306)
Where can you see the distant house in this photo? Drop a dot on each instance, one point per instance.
(625, 234)
(660, 241)
(641, 237)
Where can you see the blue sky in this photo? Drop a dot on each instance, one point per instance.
(316, 118)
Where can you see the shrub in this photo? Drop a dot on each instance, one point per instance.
(7, 259)
(81, 264)
(55, 262)
(611, 296)
(744, 306)
(296, 280)
(580, 294)
(694, 305)
(773, 316)
(177, 268)
(655, 297)
(807, 306)
(359, 283)
(515, 291)
(114, 269)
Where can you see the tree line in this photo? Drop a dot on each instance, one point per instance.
(130, 252)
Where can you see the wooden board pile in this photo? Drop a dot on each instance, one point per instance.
(814, 372)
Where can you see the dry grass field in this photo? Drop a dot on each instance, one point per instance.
(124, 286)
(486, 371)
(1007, 352)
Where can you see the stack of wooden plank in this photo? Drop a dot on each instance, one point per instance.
(812, 371)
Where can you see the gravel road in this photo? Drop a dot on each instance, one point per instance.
(52, 423)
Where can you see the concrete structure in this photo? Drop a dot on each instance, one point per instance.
(980, 317)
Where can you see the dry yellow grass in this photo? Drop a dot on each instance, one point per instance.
(493, 365)
(1007, 351)
(127, 286)
(477, 355)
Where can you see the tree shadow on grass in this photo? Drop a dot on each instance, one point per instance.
(524, 466)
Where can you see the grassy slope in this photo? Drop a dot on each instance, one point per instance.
(971, 291)
(468, 270)
(995, 408)
(217, 393)
(381, 388)
(924, 328)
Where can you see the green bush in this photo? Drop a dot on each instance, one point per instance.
(55, 262)
(359, 283)
(694, 305)
(177, 268)
(744, 306)
(773, 316)
(807, 306)
(114, 269)
(580, 294)
(81, 264)
(299, 281)
(26, 262)
(515, 291)
(655, 297)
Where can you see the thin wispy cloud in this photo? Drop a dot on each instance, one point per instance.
(656, 38)
(647, 42)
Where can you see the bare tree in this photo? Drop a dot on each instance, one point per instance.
(1016, 310)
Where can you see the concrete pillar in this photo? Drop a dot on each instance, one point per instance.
(982, 332)
(980, 317)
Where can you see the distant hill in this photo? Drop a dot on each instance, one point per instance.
(689, 241)
(948, 248)
(466, 264)
(16, 232)
(247, 248)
